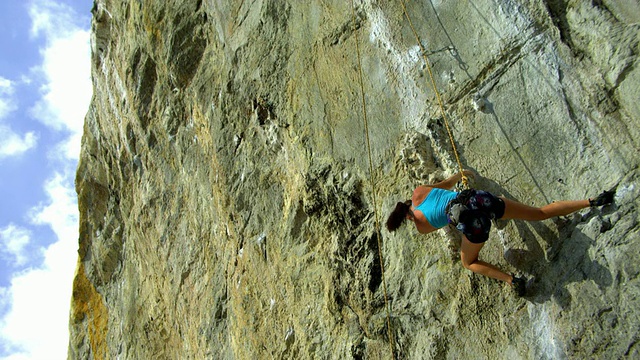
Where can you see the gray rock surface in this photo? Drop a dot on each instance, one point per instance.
(226, 203)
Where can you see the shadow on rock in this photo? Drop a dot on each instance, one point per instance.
(569, 262)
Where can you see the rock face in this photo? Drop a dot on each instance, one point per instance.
(226, 198)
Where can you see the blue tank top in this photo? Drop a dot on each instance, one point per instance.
(433, 206)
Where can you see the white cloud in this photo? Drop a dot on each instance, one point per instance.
(53, 17)
(66, 69)
(36, 325)
(7, 103)
(11, 143)
(14, 239)
(68, 90)
(62, 212)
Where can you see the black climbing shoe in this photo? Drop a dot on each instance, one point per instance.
(519, 285)
(605, 198)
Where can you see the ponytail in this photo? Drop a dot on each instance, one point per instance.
(397, 216)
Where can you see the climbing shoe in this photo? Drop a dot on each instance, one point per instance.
(605, 198)
(519, 285)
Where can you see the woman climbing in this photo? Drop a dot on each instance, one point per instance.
(434, 206)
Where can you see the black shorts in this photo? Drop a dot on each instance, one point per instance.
(483, 207)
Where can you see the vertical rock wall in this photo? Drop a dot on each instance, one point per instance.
(226, 202)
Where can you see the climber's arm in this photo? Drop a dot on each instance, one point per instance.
(451, 181)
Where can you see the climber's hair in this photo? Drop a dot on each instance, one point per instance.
(397, 216)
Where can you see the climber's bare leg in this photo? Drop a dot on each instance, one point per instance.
(516, 210)
(469, 256)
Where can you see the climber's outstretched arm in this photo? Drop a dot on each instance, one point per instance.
(451, 182)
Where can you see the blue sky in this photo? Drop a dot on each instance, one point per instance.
(45, 89)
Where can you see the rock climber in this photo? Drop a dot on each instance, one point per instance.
(434, 206)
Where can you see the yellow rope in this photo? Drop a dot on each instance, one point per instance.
(373, 183)
(465, 181)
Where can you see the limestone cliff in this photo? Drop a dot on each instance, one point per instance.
(226, 203)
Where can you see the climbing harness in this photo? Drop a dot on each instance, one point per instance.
(423, 51)
(373, 183)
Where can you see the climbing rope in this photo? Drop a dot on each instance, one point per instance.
(465, 181)
(373, 183)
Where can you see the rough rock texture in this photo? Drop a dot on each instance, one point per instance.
(226, 202)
